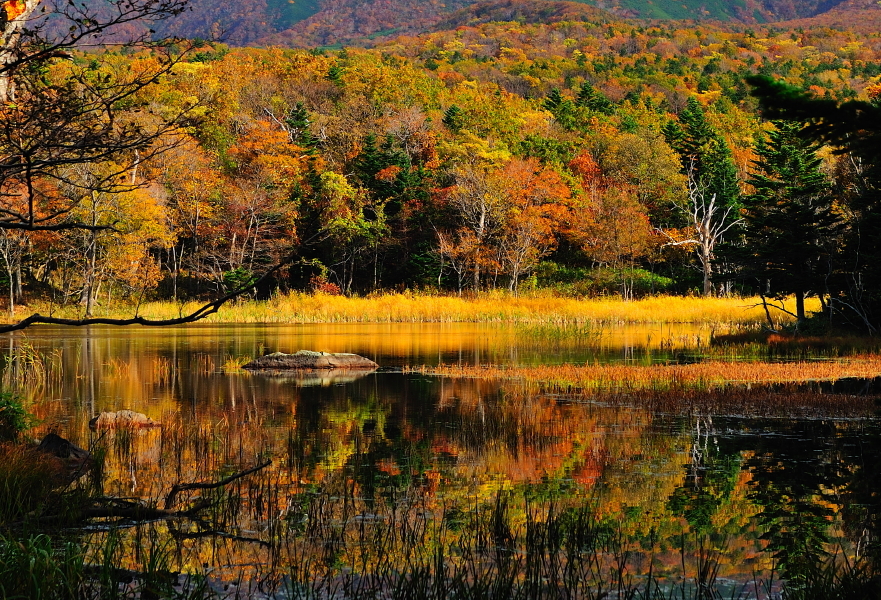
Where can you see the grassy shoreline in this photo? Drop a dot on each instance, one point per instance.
(488, 307)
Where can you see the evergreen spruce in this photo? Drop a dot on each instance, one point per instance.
(790, 229)
(298, 123)
(851, 128)
(562, 108)
(590, 98)
(704, 153)
(454, 119)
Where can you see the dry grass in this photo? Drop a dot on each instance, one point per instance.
(497, 306)
(701, 376)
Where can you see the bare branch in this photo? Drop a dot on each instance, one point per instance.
(181, 487)
(197, 315)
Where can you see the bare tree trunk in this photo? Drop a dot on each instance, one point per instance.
(87, 296)
(800, 305)
(18, 285)
(707, 261)
(9, 35)
(11, 285)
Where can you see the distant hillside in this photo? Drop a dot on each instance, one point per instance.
(528, 11)
(856, 15)
(306, 23)
(747, 11)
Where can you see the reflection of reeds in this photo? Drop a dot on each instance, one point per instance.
(162, 370)
(118, 367)
(204, 364)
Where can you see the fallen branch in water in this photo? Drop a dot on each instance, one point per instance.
(132, 510)
(182, 487)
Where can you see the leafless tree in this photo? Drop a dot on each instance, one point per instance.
(94, 115)
(709, 222)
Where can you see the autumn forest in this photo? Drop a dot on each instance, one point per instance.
(610, 282)
(591, 157)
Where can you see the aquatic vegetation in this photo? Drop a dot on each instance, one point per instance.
(233, 364)
(27, 366)
(26, 478)
(707, 375)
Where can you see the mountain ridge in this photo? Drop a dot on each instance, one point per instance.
(327, 23)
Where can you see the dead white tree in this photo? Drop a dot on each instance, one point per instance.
(709, 222)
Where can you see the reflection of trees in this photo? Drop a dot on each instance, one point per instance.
(862, 500)
(710, 478)
(800, 490)
(444, 443)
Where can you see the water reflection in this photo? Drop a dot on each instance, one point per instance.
(364, 449)
(390, 344)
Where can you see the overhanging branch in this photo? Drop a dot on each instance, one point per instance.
(197, 315)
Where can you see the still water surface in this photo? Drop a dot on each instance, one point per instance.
(658, 475)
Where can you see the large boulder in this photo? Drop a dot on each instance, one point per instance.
(306, 359)
(122, 419)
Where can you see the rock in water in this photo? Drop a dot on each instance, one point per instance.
(305, 359)
(69, 461)
(122, 419)
(56, 445)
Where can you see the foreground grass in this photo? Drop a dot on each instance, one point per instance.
(489, 307)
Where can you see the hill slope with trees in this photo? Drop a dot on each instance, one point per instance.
(306, 23)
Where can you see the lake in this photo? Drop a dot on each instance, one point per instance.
(359, 460)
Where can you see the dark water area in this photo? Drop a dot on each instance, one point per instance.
(756, 489)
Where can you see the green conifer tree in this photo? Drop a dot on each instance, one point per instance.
(851, 128)
(561, 107)
(298, 123)
(790, 227)
(454, 119)
(590, 98)
(704, 153)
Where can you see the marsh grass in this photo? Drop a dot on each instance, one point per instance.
(233, 364)
(701, 376)
(759, 344)
(487, 307)
(39, 566)
(26, 479)
(27, 367)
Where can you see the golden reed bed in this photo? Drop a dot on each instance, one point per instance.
(705, 375)
(501, 307)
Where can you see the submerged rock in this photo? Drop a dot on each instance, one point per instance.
(305, 359)
(122, 419)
